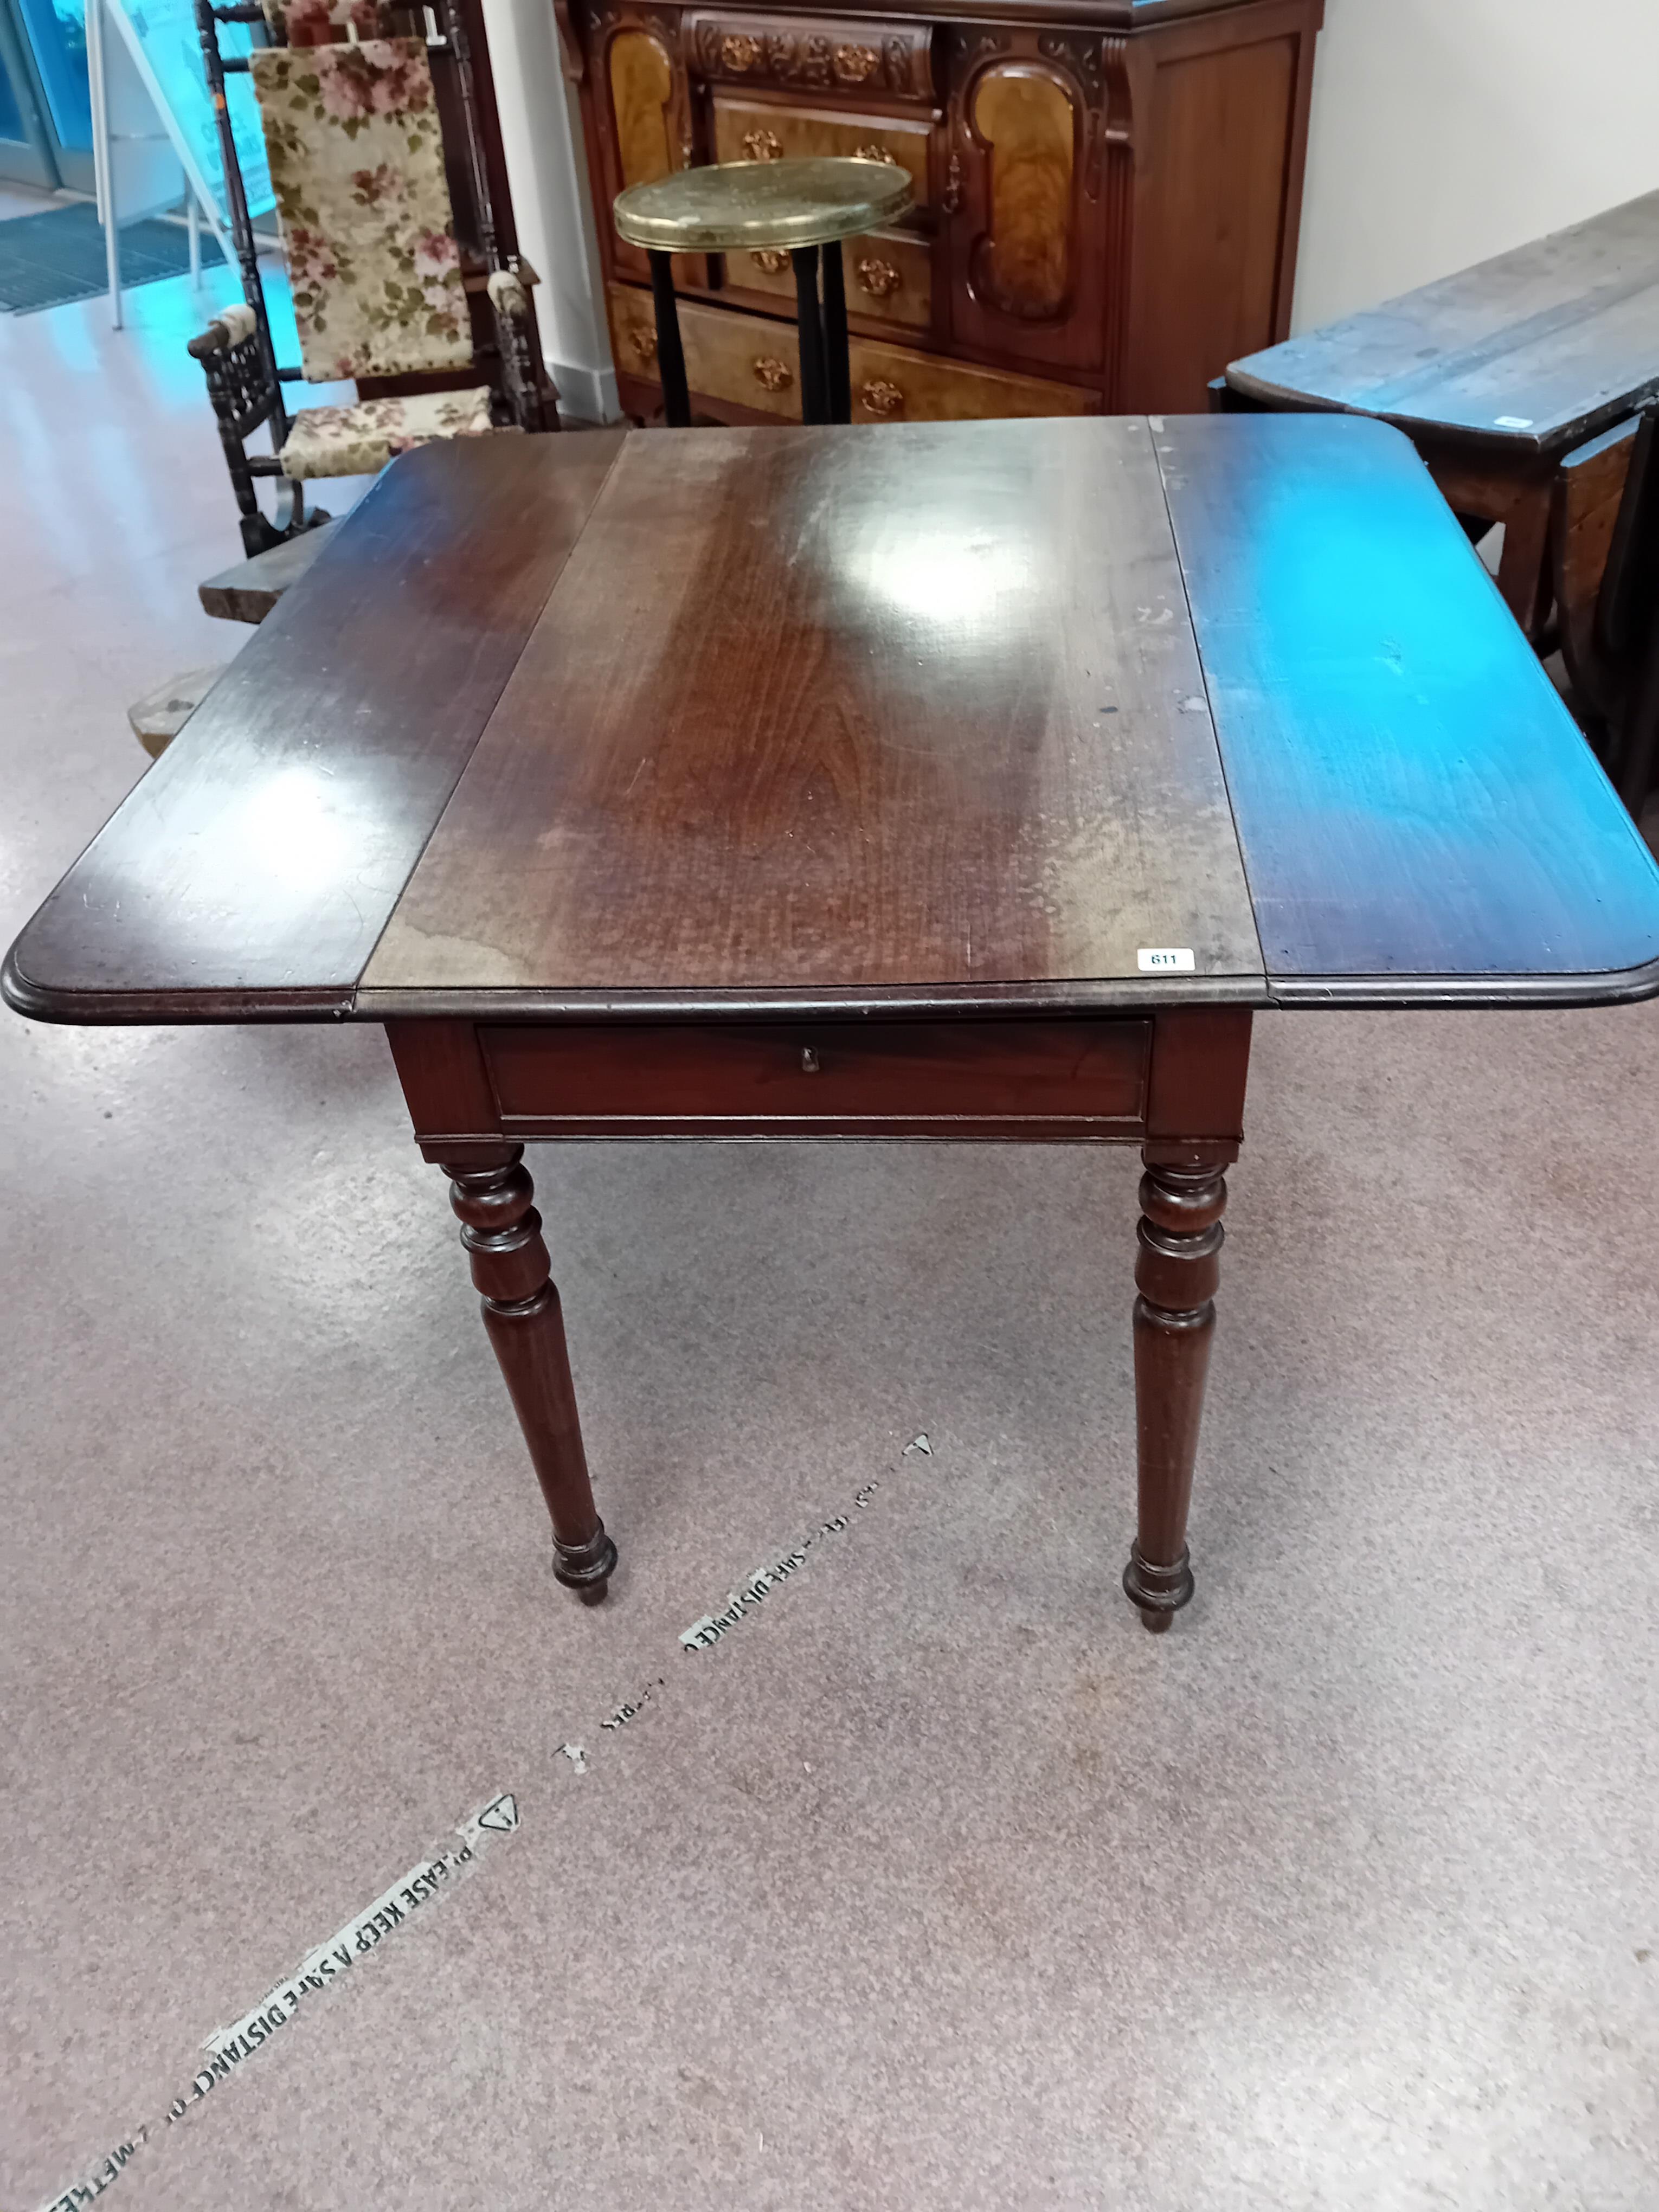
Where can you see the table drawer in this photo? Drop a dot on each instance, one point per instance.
(743, 358)
(889, 278)
(1066, 1080)
(890, 384)
(770, 130)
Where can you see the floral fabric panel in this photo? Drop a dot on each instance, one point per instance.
(358, 168)
(359, 441)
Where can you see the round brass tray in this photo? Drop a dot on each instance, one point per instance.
(730, 207)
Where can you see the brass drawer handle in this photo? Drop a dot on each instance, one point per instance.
(772, 258)
(809, 1061)
(880, 398)
(762, 145)
(777, 375)
(644, 343)
(873, 152)
(878, 278)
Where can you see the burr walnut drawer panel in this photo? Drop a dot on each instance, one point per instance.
(767, 130)
(742, 358)
(1069, 1080)
(889, 278)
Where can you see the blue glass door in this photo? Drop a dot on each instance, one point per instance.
(25, 149)
(43, 86)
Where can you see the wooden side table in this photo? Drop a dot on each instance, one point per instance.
(1494, 373)
(953, 783)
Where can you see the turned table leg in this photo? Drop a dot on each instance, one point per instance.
(1176, 1272)
(502, 1233)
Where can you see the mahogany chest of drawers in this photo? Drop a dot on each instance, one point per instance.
(1106, 193)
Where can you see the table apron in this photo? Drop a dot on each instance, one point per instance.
(1076, 1080)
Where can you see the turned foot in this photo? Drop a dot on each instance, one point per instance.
(1159, 1592)
(586, 1568)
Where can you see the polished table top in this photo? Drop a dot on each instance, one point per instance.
(972, 716)
(1532, 352)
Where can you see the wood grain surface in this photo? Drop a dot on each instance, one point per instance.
(1536, 348)
(1413, 798)
(250, 872)
(863, 709)
(910, 720)
(1069, 1080)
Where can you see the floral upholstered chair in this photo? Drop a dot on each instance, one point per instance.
(357, 165)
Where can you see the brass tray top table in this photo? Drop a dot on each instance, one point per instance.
(804, 209)
(1495, 373)
(967, 781)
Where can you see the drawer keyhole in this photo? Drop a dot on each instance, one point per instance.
(809, 1061)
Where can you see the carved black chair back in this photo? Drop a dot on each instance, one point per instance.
(244, 379)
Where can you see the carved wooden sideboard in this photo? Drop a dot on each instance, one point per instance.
(1107, 193)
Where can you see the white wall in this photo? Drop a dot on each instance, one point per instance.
(541, 133)
(1446, 131)
(1443, 130)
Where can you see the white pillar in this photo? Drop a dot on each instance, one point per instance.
(103, 165)
(547, 170)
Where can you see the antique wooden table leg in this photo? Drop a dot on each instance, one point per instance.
(1195, 1120)
(1523, 565)
(1516, 493)
(1176, 1274)
(502, 1233)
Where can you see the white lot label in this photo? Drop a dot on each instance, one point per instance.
(1164, 960)
(1513, 422)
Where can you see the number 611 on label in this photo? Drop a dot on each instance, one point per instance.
(1165, 959)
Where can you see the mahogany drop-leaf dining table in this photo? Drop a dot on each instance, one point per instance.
(958, 781)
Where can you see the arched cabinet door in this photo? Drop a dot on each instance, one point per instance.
(1023, 196)
(645, 107)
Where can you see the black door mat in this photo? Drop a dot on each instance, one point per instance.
(46, 259)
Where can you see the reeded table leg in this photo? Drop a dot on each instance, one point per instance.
(502, 1233)
(1176, 1274)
